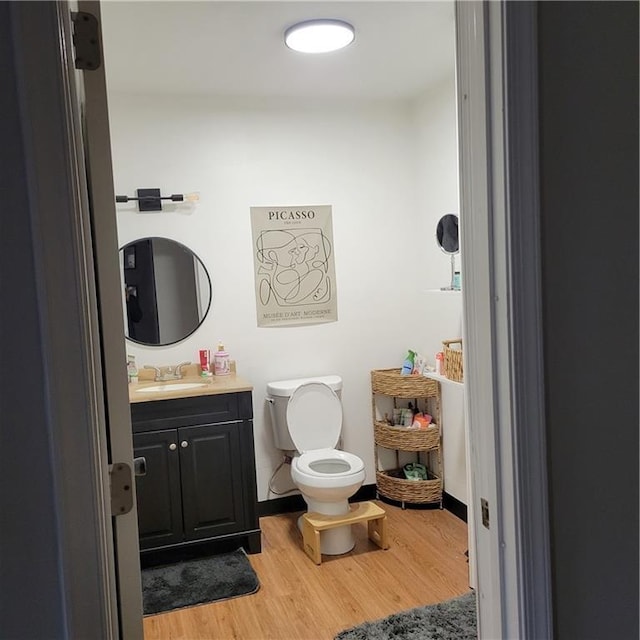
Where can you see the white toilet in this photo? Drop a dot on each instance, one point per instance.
(306, 415)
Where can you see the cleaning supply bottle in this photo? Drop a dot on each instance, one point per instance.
(407, 365)
(221, 362)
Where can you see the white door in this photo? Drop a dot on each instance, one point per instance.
(89, 111)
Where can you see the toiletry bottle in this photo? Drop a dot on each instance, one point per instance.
(440, 363)
(221, 361)
(132, 370)
(205, 362)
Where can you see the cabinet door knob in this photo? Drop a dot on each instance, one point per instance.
(173, 446)
(184, 444)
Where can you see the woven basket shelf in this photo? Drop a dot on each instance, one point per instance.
(406, 439)
(394, 487)
(425, 443)
(389, 382)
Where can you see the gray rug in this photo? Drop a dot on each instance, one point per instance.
(451, 620)
(199, 581)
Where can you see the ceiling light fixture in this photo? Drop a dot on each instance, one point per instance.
(319, 36)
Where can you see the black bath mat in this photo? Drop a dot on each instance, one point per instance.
(199, 581)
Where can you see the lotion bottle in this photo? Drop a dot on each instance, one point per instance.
(132, 370)
(221, 361)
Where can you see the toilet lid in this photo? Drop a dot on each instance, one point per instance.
(314, 417)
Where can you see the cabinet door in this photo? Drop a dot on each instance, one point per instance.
(212, 491)
(158, 492)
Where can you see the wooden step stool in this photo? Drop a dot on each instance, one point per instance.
(313, 523)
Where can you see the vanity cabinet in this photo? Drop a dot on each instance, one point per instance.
(199, 483)
(423, 393)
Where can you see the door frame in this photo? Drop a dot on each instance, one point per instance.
(496, 45)
(504, 377)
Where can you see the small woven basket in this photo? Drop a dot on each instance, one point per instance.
(453, 360)
(389, 382)
(394, 486)
(406, 439)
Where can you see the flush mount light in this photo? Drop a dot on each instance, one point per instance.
(319, 36)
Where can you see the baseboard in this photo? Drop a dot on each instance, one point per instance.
(287, 504)
(454, 505)
(295, 502)
(250, 541)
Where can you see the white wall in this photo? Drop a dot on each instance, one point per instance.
(437, 177)
(361, 160)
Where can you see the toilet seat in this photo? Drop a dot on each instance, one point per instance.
(329, 463)
(314, 417)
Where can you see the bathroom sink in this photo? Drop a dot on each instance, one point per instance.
(172, 386)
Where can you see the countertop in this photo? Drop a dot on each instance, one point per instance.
(211, 386)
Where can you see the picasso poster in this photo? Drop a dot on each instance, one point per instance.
(294, 267)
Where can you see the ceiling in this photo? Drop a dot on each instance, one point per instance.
(235, 49)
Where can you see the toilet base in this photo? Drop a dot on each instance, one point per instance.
(336, 541)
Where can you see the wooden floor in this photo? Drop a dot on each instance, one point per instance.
(300, 600)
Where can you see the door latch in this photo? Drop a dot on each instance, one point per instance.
(121, 488)
(484, 506)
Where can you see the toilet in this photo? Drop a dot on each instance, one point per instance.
(306, 415)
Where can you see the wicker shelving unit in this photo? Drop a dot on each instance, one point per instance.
(425, 393)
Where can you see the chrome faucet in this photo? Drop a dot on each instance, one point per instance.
(163, 374)
(178, 369)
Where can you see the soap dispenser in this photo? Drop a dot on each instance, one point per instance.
(221, 363)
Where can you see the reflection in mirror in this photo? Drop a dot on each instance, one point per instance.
(167, 291)
(449, 241)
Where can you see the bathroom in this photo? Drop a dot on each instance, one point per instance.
(381, 153)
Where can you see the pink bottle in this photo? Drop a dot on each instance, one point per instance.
(221, 363)
(440, 363)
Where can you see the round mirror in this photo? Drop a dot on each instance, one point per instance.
(447, 233)
(167, 291)
(449, 242)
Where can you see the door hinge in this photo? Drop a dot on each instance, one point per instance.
(120, 480)
(86, 40)
(484, 506)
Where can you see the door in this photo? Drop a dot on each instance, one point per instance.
(93, 144)
(158, 491)
(212, 489)
(89, 585)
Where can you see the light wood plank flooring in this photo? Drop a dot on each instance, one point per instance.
(300, 600)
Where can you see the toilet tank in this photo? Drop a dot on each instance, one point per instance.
(278, 394)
